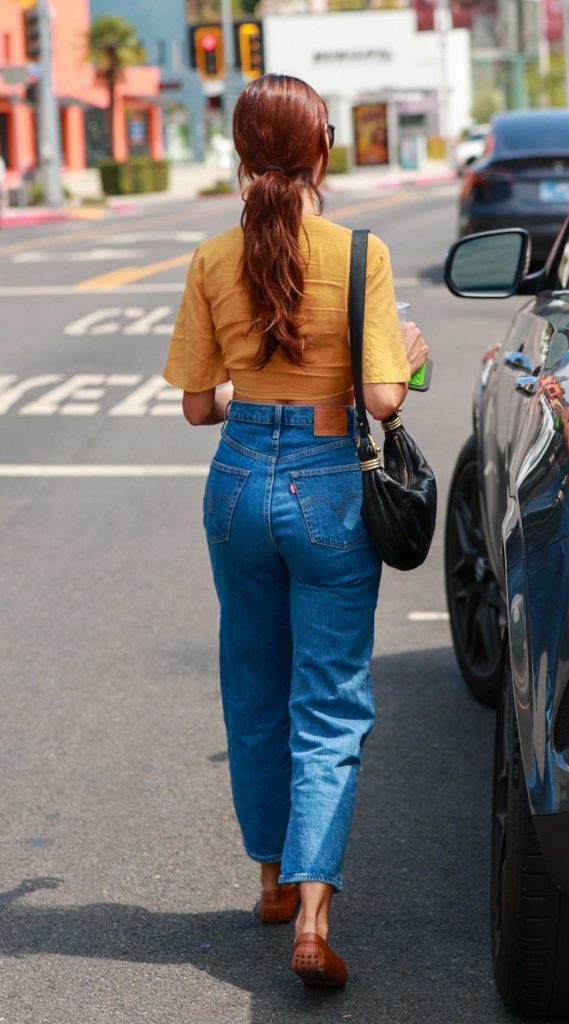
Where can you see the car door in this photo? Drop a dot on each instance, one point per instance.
(537, 451)
(500, 402)
(536, 539)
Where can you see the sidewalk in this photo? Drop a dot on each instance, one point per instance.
(187, 180)
(362, 179)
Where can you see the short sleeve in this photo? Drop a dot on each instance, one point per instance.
(385, 360)
(195, 360)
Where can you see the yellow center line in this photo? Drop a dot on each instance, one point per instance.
(137, 222)
(125, 275)
(374, 204)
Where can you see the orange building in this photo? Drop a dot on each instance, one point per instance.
(82, 97)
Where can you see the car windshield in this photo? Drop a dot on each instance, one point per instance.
(536, 135)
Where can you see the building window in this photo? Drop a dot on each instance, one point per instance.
(160, 51)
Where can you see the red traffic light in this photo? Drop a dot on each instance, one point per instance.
(209, 42)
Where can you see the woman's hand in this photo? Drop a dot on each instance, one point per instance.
(415, 346)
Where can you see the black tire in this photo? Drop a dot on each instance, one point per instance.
(529, 914)
(473, 594)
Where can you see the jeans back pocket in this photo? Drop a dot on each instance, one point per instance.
(331, 501)
(223, 487)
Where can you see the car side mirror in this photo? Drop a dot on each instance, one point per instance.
(489, 265)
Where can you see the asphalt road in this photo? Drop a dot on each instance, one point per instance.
(125, 896)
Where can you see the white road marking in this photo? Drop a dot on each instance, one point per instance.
(30, 470)
(123, 380)
(82, 395)
(154, 288)
(91, 323)
(44, 291)
(51, 401)
(108, 321)
(82, 256)
(428, 616)
(137, 403)
(132, 237)
(146, 324)
(12, 395)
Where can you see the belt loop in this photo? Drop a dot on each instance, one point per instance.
(226, 413)
(278, 410)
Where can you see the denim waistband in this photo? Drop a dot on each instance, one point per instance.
(280, 415)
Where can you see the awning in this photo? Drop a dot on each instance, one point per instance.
(74, 101)
(155, 100)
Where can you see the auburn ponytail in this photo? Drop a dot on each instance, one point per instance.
(279, 128)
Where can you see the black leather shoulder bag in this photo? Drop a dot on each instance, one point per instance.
(399, 503)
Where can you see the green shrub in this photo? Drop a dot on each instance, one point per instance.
(161, 175)
(339, 160)
(219, 188)
(35, 194)
(137, 174)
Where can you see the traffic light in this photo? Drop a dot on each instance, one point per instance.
(32, 94)
(32, 33)
(207, 49)
(251, 55)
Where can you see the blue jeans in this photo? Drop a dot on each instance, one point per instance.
(297, 579)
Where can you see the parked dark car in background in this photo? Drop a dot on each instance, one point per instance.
(507, 577)
(522, 180)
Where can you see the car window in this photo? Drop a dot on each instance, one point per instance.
(560, 277)
(563, 268)
(533, 135)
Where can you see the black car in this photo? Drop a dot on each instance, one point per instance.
(507, 578)
(522, 180)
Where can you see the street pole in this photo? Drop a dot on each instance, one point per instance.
(234, 81)
(519, 85)
(566, 47)
(443, 24)
(49, 136)
(543, 55)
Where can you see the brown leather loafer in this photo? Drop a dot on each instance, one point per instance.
(316, 962)
(279, 905)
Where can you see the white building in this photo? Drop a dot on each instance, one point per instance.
(382, 80)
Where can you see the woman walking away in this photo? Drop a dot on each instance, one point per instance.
(296, 574)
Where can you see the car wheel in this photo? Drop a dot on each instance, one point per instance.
(529, 914)
(473, 594)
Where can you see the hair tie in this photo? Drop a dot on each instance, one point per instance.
(274, 167)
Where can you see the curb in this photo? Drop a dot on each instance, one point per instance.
(353, 182)
(17, 218)
(20, 217)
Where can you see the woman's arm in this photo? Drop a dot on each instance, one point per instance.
(206, 407)
(382, 400)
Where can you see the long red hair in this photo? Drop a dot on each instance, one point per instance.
(279, 129)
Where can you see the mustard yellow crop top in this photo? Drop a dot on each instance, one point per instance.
(211, 342)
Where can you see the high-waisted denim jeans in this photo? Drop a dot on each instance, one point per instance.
(297, 580)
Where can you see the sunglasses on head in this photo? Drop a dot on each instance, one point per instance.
(330, 131)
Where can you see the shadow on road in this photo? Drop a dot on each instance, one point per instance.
(413, 922)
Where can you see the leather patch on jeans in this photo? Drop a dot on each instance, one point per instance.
(330, 421)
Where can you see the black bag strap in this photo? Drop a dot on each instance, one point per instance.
(356, 310)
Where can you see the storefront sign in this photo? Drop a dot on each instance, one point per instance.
(369, 54)
(370, 134)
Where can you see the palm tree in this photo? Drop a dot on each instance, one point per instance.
(112, 46)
